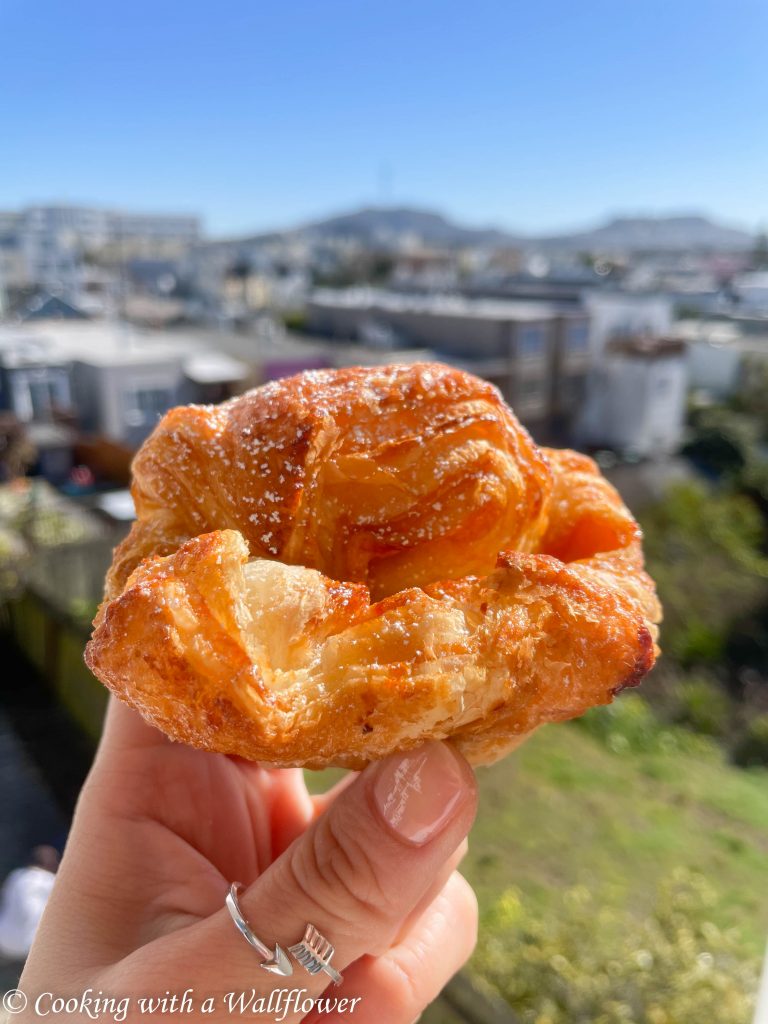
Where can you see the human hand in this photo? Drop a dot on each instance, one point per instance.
(160, 832)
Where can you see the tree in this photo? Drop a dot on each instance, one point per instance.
(704, 549)
(721, 440)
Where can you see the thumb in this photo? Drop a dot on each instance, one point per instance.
(361, 868)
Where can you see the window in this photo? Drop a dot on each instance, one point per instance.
(530, 389)
(577, 337)
(530, 340)
(42, 399)
(37, 393)
(145, 406)
(571, 390)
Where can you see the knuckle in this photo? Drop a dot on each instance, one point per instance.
(338, 872)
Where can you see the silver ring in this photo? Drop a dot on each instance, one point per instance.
(314, 954)
(277, 962)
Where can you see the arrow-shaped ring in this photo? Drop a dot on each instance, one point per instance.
(276, 962)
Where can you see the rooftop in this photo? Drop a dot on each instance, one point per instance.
(437, 305)
(111, 344)
(647, 346)
(721, 334)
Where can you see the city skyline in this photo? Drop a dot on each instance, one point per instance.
(536, 121)
(607, 217)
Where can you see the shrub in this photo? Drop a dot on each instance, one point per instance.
(701, 704)
(705, 549)
(630, 726)
(752, 748)
(626, 725)
(594, 964)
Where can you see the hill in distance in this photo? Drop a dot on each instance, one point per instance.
(672, 232)
(385, 227)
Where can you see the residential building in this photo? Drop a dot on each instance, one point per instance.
(750, 291)
(56, 242)
(636, 397)
(569, 373)
(536, 353)
(146, 228)
(13, 274)
(110, 380)
(426, 269)
(619, 314)
(273, 352)
(35, 382)
(720, 354)
(121, 393)
(237, 279)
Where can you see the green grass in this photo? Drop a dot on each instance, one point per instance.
(565, 809)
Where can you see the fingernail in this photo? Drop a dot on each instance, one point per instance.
(417, 793)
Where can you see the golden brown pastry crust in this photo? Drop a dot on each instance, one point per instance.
(360, 560)
(372, 475)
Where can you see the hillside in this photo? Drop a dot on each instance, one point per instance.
(565, 810)
(655, 233)
(382, 226)
(569, 809)
(389, 227)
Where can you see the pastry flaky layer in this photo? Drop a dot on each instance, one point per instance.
(347, 563)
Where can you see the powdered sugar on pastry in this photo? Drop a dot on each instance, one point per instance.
(360, 560)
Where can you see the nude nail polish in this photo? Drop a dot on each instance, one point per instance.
(418, 793)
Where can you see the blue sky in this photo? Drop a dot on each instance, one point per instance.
(534, 116)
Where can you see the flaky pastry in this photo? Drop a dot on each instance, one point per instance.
(347, 563)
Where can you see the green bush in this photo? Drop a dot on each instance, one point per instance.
(626, 725)
(630, 726)
(701, 704)
(593, 964)
(752, 748)
(704, 548)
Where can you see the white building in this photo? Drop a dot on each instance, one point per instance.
(751, 290)
(624, 314)
(12, 271)
(122, 393)
(719, 354)
(116, 379)
(55, 241)
(636, 399)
